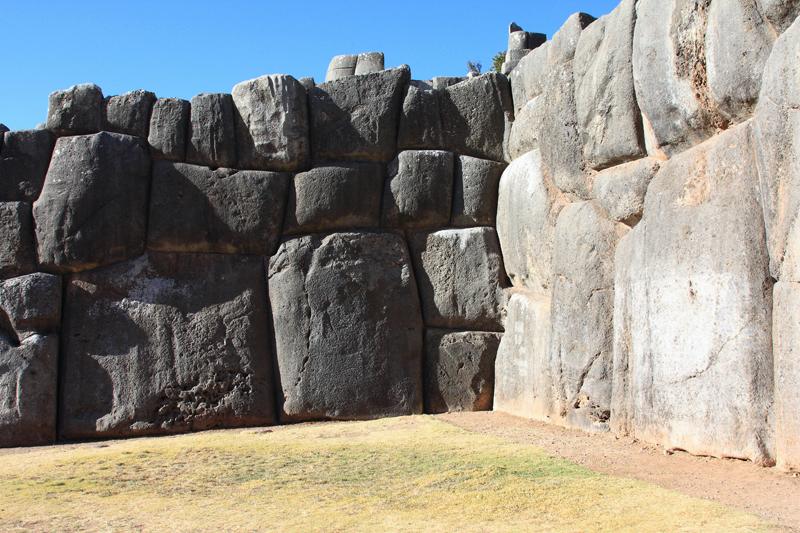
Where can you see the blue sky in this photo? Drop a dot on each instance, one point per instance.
(183, 48)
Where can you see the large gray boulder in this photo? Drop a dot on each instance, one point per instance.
(459, 370)
(528, 205)
(523, 385)
(356, 118)
(129, 113)
(475, 191)
(184, 345)
(93, 207)
(420, 119)
(29, 305)
(348, 327)
(335, 197)
(609, 119)
(212, 135)
(581, 350)
(24, 160)
(77, 110)
(670, 75)
(30, 316)
(271, 123)
(419, 189)
(738, 44)
(28, 381)
(693, 350)
(476, 116)
(169, 126)
(776, 133)
(221, 211)
(620, 190)
(461, 278)
(786, 339)
(17, 245)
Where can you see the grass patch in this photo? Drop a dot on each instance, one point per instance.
(410, 474)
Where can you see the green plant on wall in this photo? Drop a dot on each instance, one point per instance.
(497, 61)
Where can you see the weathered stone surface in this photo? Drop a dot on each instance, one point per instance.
(786, 338)
(28, 383)
(129, 113)
(29, 305)
(776, 130)
(23, 164)
(609, 119)
(420, 119)
(459, 370)
(526, 129)
(169, 126)
(77, 110)
(93, 207)
(189, 350)
(341, 66)
(212, 131)
(221, 211)
(526, 78)
(335, 197)
(621, 190)
(523, 385)
(780, 13)
(738, 43)
(419, 189)
(581, 350)
(356, 118)
(439, 83)
(512, 59)
(476, 116)
(369, 62)
(475, 191)
(271, 123)
(669, 72)
(528, 205)
(461, 278)
(348, 328)
(693, 311)
(308, 82)
(17, 246)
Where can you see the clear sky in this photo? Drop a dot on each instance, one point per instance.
(181, 48)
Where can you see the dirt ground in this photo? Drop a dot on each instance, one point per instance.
(766, 492)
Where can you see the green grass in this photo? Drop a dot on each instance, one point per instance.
(410, 474)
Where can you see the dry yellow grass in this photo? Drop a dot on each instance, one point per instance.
(402, 474)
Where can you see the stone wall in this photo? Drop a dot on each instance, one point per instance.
(622, 202)
(286, 252)
(647, 221)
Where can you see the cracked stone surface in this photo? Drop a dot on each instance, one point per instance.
(184, 346)
(692, 314)
(348, 327)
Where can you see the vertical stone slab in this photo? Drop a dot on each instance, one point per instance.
(786, 339)
(608, 116)
(419, 189)
(212, 134)
(348, 327)
(523, 383)
(17, 245)
(459, 370)
(271, 123)
(475, 191)
(698, 303)
(184, 345)
(420, 119)
(169, 125)
(581, 351)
